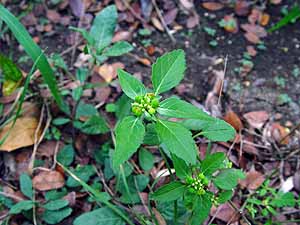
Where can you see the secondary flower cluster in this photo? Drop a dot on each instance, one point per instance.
(197, 184)
(147, 103)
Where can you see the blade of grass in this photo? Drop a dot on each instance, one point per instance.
(97, 196)
(34, 51)
(293, 14)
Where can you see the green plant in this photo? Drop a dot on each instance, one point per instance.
(267, 201)
(100, 36)
(151, 114)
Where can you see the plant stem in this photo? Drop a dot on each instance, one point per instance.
(172, 178)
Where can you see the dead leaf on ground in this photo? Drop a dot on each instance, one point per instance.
(192, 21)
(255, 16)
(29, 20)
(109, 71)
(255, 29)
(170, 16)
(278, 132)
(251, 50)
(188, 4)
(122, 36)
(275, 2)
(233, 119)
(257, 119)
(160, 219)
(253, 180)
(23, 132)
(297, 180)
(251, 37)
(157, 24)
(265, 18)
(53, 16)
(225, 213)
(212, 6)
(48, 180)
(242, 7)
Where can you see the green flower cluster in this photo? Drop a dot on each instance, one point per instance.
(147, 103)
(197, 184)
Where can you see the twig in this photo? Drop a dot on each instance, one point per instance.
(222, 80)
(11, 196)
(163, 22)
(37, 142)
(239, 211)
(55, 155)
(290, 133)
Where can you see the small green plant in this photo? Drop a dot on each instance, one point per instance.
(100, 36)
(175, 139)
(267, 201)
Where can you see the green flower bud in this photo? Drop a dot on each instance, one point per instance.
(138, 99)
(150, 95)
(201, 176)
(155, 103)
(191, 190)
(137, 111)
(201, 192)
(151, 111)
(205, 181)
(189, 180)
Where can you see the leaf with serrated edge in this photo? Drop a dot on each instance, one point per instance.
(131, 86)
(177, 139)
(129, 136)
(168, 71)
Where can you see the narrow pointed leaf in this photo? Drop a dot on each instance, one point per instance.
(34, 51)
(129, 136)
(168, 71)
(118, 49)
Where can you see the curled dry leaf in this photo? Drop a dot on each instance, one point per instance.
(253, 180)
(157, 24)
(233, 119)
(257, 119)
(48, 180)
(212, 6)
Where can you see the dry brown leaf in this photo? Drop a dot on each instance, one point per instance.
(226, 213)
(231, 24)
(109, 71)
(233, 119)
(160, 219)
(278, 132)
(192, 21)
(21, 135)
(255, 29)
(265, 18)
(187, 4)
(253, 180)
(275, 2)
(251, 37)
(53, 16)
(157, 23)
(251, 50)
(48, 180)
(241, 7)
(212, 6)
(257, 119)
(122, 36)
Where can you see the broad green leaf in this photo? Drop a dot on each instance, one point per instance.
(201, 209)
(195, 124)
(181, 169)
(84, 109)
(151, 137)
(95, 125)
(176, 108)
(84, 34)
(212, 163)
(35, 53)
(123, 107)
(26, 185)
(146, 159)
(131, 86)
(66, 155)
(168, 71)
(103, 27)
(56, 204)
(225, 196)
(227, 179)
(54, 217)
(60, 121)
(169, 192)
(83, 172)
(102, 216)
(129, 136)
(284, 199)
(177, 140)
(118, 49)
(218, 130)
(21, 206)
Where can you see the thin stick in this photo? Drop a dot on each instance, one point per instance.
(222, 84)
(11, 196)
(163, 22)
